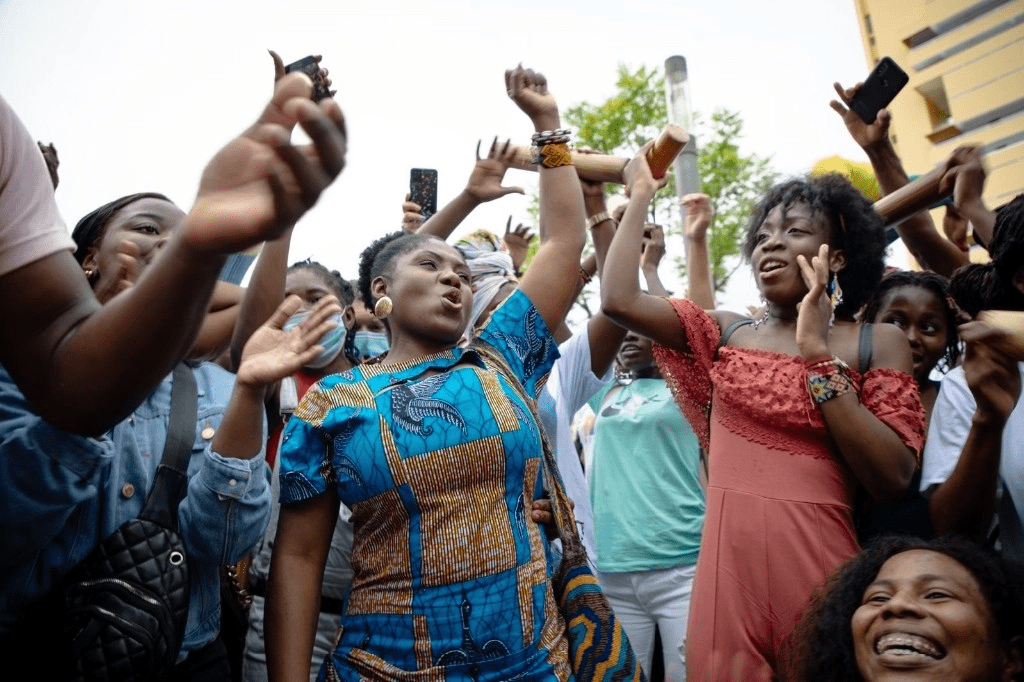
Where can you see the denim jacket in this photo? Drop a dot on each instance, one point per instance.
(63, 493)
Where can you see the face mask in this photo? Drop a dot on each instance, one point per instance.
(332, 342)
(370, 344)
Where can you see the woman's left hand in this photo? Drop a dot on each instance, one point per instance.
(542, 514)
(272, 353)
(815, 310)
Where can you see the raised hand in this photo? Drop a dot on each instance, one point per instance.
(862, 133)
(411, 216)
(815, 310)
(637, 173)
(529, 90)
(964, 171)
(272, 354)
(652, 246)
(991, 373)
(699, 212)
(485, 181)
(260, 183)
(517, 241)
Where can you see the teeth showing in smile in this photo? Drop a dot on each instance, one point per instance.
(902, 644)
(771, 265)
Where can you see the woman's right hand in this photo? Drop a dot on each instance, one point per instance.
(991, 374)
(485, 181)
(638, 175)
(260, 183)
(529, 90)
(272, 353)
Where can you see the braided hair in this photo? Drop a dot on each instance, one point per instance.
(341, 287)
(929, 281)
(989, 286)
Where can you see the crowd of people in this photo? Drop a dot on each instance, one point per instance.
(832, 489)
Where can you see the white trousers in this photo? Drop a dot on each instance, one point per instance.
(643, 599)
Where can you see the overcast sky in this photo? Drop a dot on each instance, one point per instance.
(137, 96)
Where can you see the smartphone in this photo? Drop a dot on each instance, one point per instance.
(880, 88)
(423, 190)
(311, 67)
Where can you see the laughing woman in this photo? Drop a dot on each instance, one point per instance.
(437, 456)
(801, 416)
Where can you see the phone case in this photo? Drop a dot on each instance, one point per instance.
(881, 87)
(310, 67)
(423, 190)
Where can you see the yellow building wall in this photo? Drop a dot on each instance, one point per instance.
(974, 81)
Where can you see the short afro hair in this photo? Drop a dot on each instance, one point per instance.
(379, 258)
(854, 225)
(342, 288)
(989, 286)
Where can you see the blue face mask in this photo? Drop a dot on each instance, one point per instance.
(332, 342)
(370, 344)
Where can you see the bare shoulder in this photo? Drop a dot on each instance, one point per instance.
(890, 349)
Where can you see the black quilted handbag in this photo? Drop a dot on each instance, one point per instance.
(127, 601)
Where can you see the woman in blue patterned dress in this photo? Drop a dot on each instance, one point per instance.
(438, 457)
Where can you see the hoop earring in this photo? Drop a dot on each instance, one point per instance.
(383, 307)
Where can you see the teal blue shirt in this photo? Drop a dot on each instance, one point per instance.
(648, 503)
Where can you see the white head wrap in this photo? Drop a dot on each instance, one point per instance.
(491, 268)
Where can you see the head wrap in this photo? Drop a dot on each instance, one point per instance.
(491, 269)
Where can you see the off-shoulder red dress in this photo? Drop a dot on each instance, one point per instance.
(778, 516)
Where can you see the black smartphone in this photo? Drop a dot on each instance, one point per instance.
(880, 88)
(423, 190)
(311, 67)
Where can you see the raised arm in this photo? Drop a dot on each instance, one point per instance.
(604, 335)
(965, 169)
(551, 279)
(918, 232)
(965, 502)
(85, 367)
(622, 299)
(699, 212)
(875, 453)
(484, 185)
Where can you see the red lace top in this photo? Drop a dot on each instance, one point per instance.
(762, 396)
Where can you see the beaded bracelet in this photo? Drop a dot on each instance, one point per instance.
(828, 379)
(560, 136)
(553, 156)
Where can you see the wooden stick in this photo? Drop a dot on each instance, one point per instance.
(604, 168)
(912, 198)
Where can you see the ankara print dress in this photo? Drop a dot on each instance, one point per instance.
(778, 519)
(439, 461)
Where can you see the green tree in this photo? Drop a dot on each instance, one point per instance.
(635, 114)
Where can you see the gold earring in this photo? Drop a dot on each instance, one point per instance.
(383, 307)
(89, 272)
